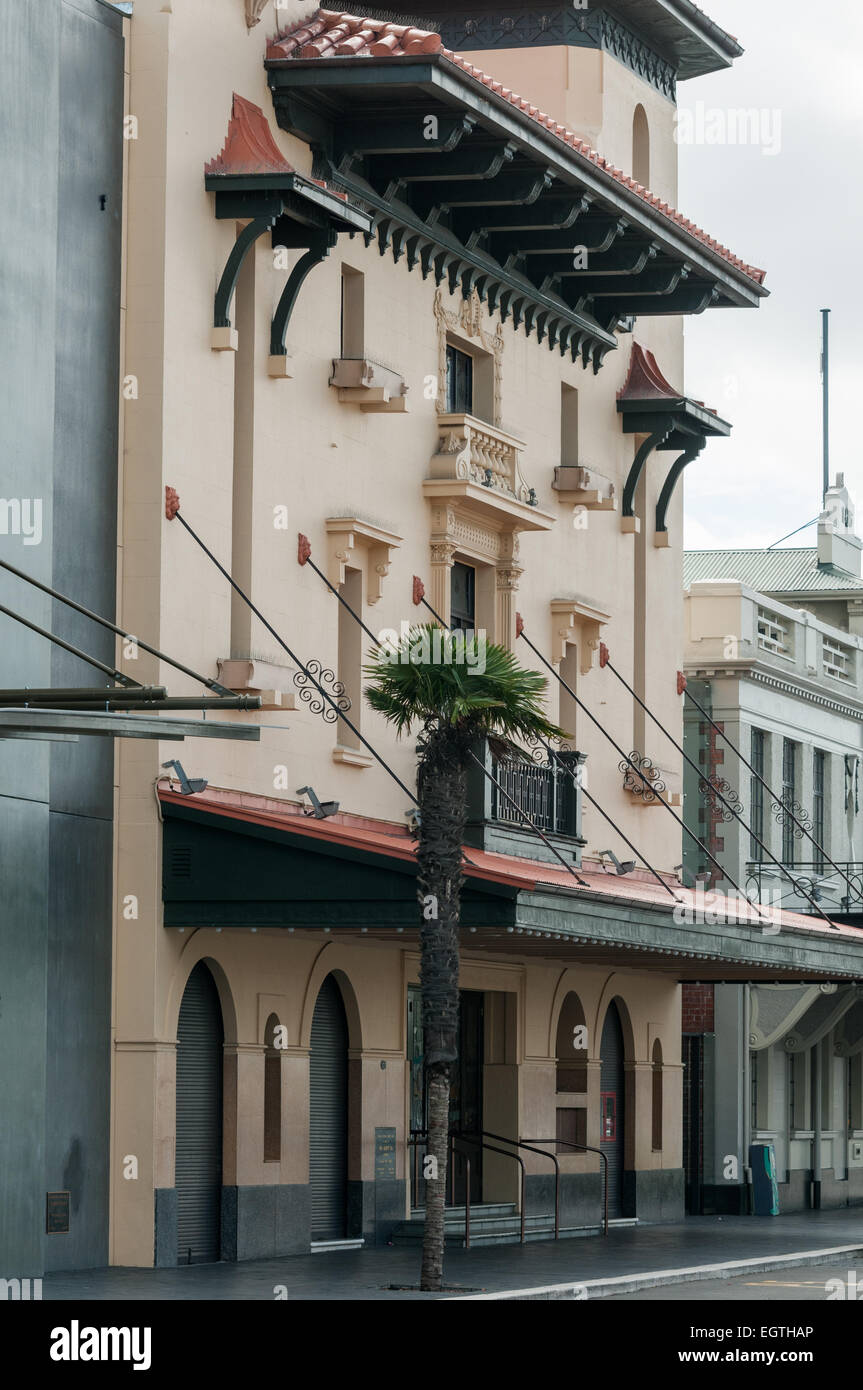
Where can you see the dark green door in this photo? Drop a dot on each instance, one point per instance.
(465, 1094)
(465, 1110)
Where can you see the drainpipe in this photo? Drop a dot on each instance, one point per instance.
(747, 1097)
(815, 1194)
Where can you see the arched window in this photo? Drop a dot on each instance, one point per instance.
(571, 1047)
(657, 1095)
(273, 1036)
(641, 147)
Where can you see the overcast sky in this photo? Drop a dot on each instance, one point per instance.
(798, 214)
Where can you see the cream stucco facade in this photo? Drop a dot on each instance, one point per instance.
(257, 459)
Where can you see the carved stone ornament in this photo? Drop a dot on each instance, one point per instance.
(254, 10)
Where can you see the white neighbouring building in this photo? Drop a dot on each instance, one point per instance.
(774, 654)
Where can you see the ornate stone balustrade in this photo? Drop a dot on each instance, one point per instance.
(475, 452)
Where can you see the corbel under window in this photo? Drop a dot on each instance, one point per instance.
(347, 535)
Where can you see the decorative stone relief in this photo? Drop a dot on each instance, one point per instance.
(254, 10)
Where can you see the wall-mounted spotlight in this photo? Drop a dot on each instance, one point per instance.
(188, 786)
(620, 869)
(320, 809)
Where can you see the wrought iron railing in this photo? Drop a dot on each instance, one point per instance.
(546, 791)
(816, 877)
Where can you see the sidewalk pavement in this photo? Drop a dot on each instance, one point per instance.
(629, 1258)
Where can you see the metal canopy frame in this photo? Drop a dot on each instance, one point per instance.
(16, 723)
(493, 201)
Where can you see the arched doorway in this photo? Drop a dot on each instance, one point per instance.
(612, 1119)
(198, 1170)
(328, 1128)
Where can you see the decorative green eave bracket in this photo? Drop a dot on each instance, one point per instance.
(254, 183)
(650, 406)
(298, 213)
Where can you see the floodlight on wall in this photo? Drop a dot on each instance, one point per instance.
(620, 869)
(188, 786)
(320, 809)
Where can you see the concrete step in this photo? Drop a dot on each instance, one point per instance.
(495, 1225)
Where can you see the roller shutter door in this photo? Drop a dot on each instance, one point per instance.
(199, 1121)
(328, 1136)
(612, 1089)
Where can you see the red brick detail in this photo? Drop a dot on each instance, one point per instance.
(304, 549)
(329, 34)
(419, 591)
(172, 502)
(697, 1009)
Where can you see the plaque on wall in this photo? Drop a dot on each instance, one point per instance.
(385, 1154)
(57, 1213)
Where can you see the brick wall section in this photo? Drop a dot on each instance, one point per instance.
(710, 811)
(697, 1009)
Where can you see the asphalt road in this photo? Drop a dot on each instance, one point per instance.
(807, 1284)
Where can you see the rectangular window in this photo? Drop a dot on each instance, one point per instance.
(463, 598)
(753, 1090)
(351, 656)
(789, 797)
(459, 382)
(756, 796)
(838, 660)
(353, 328)
(571, 1130)
(792, 1094)
(773, 635)
(819, 777)
(568, 426)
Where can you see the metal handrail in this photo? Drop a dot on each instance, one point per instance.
(581, 1149)
(413, 1142)
(478, 1141)
(527, 1144)
(493, 1148)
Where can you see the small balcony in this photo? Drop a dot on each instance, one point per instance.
(478, 464)
(550, 794)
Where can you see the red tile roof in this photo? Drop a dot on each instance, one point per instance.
(249, 148)
(524, 875)
(644, 380)
(329, 34)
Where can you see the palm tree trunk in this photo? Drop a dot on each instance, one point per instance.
(442, 794)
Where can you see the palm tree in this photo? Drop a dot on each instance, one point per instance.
(458, 691)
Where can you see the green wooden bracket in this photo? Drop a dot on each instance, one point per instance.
(320, 248)
(653, 441)
(234, 264)
(688, 456)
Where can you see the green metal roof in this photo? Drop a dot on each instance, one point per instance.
(792, 571)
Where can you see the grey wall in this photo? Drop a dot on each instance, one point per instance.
(61, 151)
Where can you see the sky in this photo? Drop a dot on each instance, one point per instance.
(798, 213)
